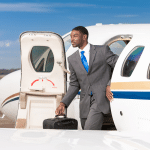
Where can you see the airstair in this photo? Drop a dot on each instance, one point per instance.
(43, 81)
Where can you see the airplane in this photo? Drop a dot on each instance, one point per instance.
(129, 83)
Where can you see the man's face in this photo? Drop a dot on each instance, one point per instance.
(77, 38)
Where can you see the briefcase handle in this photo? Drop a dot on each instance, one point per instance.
(59, 116)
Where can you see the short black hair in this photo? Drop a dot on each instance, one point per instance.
(82, 30)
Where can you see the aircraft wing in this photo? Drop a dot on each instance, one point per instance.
(72, 140)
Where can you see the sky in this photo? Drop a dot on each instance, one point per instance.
(60, 16)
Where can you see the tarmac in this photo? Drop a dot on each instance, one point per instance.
(108, 123)
(1, 76)
(6, 122)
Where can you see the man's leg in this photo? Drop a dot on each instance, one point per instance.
(83, 120)
(95, 118)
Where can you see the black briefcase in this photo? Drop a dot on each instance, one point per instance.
(60, 123)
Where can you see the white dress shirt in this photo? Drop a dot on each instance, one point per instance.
(87, 52)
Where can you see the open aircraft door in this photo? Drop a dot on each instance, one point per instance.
(43, 81)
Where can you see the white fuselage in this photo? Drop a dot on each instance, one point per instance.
(130, 107)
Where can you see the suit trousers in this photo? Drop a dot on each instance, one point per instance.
(94, 119)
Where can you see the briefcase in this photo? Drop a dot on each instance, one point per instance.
(60, 123)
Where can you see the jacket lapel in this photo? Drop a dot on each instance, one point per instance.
(92, 56)
(78, 58)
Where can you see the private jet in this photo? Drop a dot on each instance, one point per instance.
(31, 94)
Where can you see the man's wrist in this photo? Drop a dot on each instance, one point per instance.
(62, 104)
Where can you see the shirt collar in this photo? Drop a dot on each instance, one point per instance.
(86, 48)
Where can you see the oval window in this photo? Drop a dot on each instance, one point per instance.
(42, 59)
(131, 61)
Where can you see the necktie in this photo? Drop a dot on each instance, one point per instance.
(84, 61)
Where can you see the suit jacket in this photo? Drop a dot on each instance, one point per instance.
(101, 63)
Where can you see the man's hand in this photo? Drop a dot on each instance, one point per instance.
(60, 109)
(109, 94)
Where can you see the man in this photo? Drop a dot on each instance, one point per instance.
(90, 69)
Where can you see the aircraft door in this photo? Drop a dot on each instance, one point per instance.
(43, 81)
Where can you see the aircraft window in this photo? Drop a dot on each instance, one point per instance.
(118, 43)
(131, 61)
(42, 59)
(49, 62)
(67, 42)
(40, 66)
(117, 47)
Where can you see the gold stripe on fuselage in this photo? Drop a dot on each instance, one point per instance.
(141, 85)
(14, 95)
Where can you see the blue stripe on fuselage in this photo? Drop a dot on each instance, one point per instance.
(131, 95)
(11, 100)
